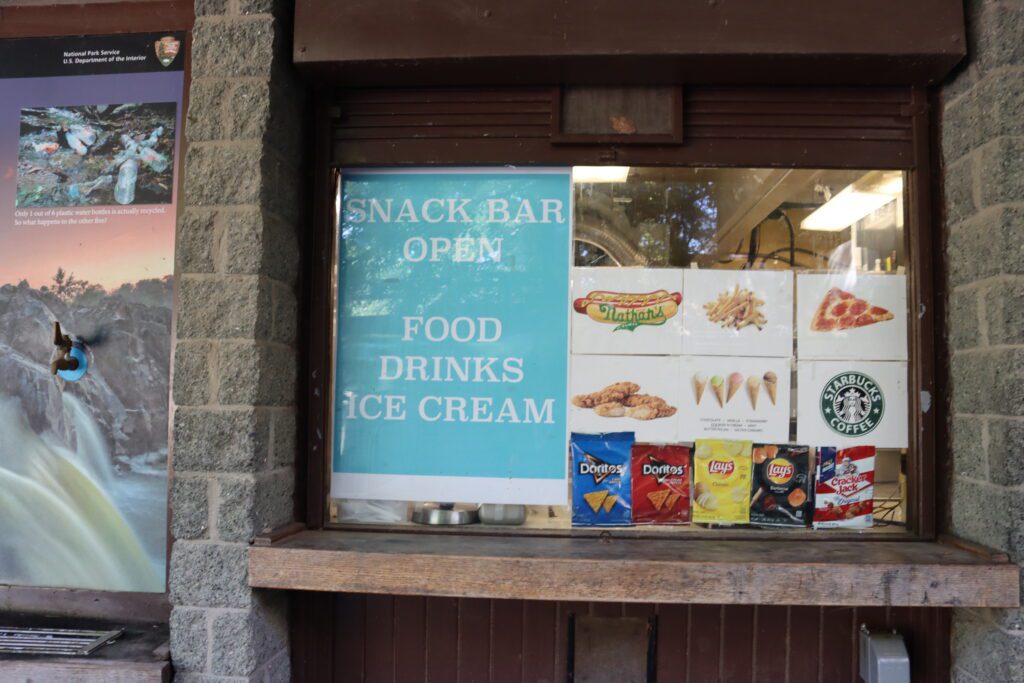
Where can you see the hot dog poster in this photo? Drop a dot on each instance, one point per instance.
(451, 365)
(852, 403)
(851, 315)
(738, 313)
(627, 310)
(730, 397)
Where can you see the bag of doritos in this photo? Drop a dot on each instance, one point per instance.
(600, 479)
(661, 484)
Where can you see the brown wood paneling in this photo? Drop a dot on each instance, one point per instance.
(442, 639)
(771, 640)
(410, 645)
(782, 126)
(539, 641)
(837, 645)
(506, 644)
(803, 652)
(646, 41)
(474, 640)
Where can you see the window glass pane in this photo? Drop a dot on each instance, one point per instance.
(776, 313)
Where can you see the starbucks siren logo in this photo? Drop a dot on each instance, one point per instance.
(852, 404)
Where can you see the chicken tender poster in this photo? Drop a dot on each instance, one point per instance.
(89, 145)
(451, 359)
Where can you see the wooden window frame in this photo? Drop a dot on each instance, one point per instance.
(102, 18)
(927, 445)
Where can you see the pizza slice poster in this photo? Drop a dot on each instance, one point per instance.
(852, 403)
(850, 315)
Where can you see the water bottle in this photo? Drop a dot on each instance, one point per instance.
(124, 192)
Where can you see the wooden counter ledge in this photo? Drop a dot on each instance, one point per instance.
(904, 573)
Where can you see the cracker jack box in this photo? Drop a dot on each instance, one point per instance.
(721, 481)
(781, 494)
(844, 487)
(661, 484)
(601, 479)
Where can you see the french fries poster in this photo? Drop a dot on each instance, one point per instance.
(738, 313)
(452, 336)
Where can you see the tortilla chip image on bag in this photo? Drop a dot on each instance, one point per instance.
(661, 484)
(601, 490)
(721, 481)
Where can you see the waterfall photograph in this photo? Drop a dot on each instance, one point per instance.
(83, 465)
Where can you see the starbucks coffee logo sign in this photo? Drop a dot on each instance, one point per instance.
(852, 404)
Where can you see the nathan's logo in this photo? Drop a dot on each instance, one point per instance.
(167, 49)
(661, 470)
(599, 469)
(779, 471)
(629, 311)
(721, 468)
(852, 404)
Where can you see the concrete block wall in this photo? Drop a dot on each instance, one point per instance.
(235, 360)
(983, 157)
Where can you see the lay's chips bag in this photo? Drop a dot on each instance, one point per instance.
(601, 479)
(721, 481)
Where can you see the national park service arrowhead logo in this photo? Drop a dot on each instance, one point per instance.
(167, 49)
(852, 404)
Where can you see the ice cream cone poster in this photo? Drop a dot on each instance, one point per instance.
(731, 397)
(738, 313)
(851, 315)
(627, 310)
(640, 394)
(843, 403)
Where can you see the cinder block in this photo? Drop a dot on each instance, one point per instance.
(221, 440)
(985, 652)
(231, 307)
(985, 245)
(256, 373)
(1006, 451)
(1004, 311)
(285, 314)
(190, 509)
(1001, 179)
(196, 237)
(964, 319)
(233, 47)
(193, 366)
(983, 513)
(969, 455)
(242, 642)
(284, 441)
(207, 574)
(223, 174)
(188, 639)
(959, 191)
(253, 504)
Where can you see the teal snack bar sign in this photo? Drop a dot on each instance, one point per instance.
(452, 336)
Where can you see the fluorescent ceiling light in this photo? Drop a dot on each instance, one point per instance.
(854, 202)
(599, 174)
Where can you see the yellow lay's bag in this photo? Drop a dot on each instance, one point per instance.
(721, 481)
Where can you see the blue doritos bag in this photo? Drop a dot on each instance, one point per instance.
(601, 489)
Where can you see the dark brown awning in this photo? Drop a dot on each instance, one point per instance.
(439, 42)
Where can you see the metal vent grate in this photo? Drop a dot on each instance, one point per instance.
(54, 641)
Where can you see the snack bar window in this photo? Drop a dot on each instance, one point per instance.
(639, 350)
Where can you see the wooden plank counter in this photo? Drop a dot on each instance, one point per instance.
(905, 573)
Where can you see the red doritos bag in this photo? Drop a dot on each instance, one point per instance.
(661, 484)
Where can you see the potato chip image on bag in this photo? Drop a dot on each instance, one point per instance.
(661, 484)
(721, 481)
(601, 490)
